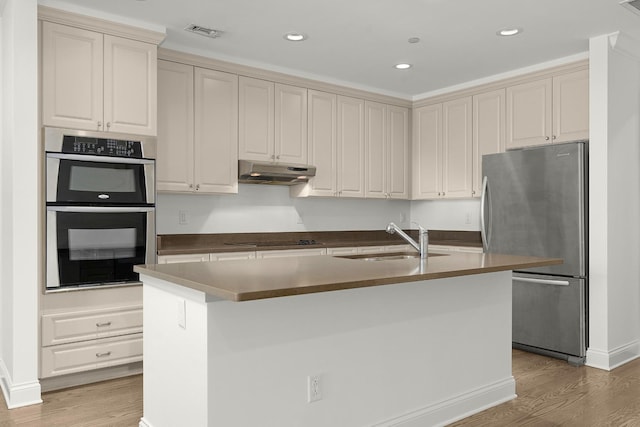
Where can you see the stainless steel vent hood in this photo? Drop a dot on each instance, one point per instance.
(253, 172)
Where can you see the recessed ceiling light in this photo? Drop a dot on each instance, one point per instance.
(414, 40)
(402, 66)
(295, 37)
(506, 32)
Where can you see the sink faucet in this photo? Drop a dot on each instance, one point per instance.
(421, 247)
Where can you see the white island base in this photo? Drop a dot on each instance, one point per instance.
(422, 353)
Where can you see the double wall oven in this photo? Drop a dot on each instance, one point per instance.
(100, 208)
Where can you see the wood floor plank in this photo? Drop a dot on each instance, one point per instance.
(550, 393)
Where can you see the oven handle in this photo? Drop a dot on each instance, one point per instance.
(101, 159)
(100, 209)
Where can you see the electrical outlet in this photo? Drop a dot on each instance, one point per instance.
(314, 388)
(183, 217)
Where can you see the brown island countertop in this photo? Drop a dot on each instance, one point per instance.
(245, 280)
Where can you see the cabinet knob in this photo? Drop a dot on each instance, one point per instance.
(473, 192)
(278, 157)
(99, 125)
(197, 187)
(443, 194)
(546, 138)
(108, 125)
(105, 354)
(554, 137)
(103, 324)
(273, 157)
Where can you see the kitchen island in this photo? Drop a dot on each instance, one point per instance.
(394, 342)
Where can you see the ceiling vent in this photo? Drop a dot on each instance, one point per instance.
(632, 5)
(203, 31)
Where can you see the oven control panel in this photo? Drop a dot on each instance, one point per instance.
(101, 147)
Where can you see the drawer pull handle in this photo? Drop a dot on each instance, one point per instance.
(100, 325)
(105, 354)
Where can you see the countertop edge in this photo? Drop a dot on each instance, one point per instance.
(337, 286)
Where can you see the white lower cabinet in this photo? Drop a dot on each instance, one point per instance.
(290, 253)
(88, 355)
(82, 340)
(448, 249)
(230, 256)
(173, 259)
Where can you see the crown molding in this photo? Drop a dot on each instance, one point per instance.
(277, 77)
(86, 22)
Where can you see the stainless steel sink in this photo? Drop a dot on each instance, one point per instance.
(387, 256)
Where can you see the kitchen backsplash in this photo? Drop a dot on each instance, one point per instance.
(263, 208)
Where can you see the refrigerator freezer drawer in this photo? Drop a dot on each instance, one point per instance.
(549, 313)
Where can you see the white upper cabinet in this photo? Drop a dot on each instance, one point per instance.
(442, 150)
(571, 106)
(350, 142)
(488, 131)
(216, 131)
(387, 146)
(99, 82)
(457, 148)
(174, 160)
(427, 152)
(555, 109)
(256, 129)
(273, 122)
(291, 124)
(322, 143)
(398, 153)
(198, 132)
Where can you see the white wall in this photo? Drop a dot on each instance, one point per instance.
(447, 214)
(265, 208)
(614, 244)
(20, 210)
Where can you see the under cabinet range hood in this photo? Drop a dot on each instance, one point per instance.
(253, 172)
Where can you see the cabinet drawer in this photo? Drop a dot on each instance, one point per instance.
(62, 328)
(85, 356)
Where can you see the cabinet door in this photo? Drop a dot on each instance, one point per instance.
(427, 152)
(291, 124)
(322, 142)
(72, 75)
(216, 131)
(256, 132)
(350, 147)
(376, 150)
(457, 148)
(571, 106)
(488, 131)
(174, 161)
(130, 86)
(529, 114)
(397, 153)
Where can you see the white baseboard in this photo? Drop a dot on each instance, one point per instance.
(88, 377)
(457, 408)
(18, 394)
(609, 360)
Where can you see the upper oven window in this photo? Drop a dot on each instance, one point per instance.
(91, 182)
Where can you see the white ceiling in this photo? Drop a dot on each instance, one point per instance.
(357, 42)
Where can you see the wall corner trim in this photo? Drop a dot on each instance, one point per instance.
(625, 44)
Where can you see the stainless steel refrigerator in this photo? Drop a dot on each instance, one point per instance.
(534, 202)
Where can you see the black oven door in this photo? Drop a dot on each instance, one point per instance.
(97, 247)
(98, 180)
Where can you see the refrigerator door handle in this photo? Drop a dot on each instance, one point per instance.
(542, 281)
(483, 225)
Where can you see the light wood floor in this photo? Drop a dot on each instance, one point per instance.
(550, 393)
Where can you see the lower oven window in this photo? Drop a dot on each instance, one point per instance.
(98, 248)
